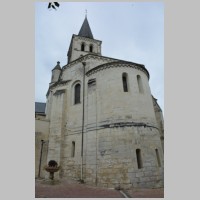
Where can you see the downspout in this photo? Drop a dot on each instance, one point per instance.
(83, 121)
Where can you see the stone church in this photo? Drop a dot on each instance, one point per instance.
(100, 122)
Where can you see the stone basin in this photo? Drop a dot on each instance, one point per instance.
(52, 168)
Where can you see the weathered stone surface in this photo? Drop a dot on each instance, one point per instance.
(112, 123)
(41, 133)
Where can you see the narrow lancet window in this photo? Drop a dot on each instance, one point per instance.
(125, 82)
(139, 81)
(77, 95)
(158, 157)
(139, 158)
(73, 149)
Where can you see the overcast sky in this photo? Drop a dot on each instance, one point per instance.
(131, 31)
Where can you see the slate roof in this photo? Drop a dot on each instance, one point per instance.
(85, 30)
(40, 107)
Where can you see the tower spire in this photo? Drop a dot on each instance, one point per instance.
(85, 30)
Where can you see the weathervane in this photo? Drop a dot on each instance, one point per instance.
(85, 12)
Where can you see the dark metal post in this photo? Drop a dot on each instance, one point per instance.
(83, 121)
(42, 142)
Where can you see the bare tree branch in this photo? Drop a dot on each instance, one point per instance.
(53, 5)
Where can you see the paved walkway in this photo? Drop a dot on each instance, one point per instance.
(146, 193)
(72, 189)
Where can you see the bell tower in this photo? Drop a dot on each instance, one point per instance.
(83, 43)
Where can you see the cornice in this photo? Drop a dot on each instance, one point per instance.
(117, 64)
(86, 57)
(58, 83)
(87, 39)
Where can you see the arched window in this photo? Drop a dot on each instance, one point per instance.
(91, 48)
(158, 157)
(139, 81)
(125, 82)
(82, 47)
(139, 158)
(73, 149)
(77, 93)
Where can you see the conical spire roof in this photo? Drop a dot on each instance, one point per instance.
(57, 66)
(85, 30)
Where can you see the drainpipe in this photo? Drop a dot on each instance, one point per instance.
(83, 121)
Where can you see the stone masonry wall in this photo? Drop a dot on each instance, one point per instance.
(116, 123)
(111, 157)
(76, 47)
(41, 133)
(55, 151)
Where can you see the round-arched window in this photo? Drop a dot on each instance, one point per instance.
(77, 93)
(82, 47)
